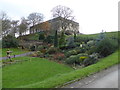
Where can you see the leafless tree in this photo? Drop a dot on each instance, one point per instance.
(35, 18)
(14, 26)
(65, 16)
(6, 23)
(22, 28)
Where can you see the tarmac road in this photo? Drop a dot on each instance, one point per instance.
(105, 79)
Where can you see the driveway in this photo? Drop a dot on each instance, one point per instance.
(105, 79)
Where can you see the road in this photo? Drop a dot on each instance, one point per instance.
(105, 79)
(25, 54)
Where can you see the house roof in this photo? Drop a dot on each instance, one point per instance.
(55, 19)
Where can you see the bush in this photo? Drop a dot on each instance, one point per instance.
(106, 47)
(70, 42)
(92, 59)
(9, 41)
(77, 59)
(52, 50)
(91, 50)
(59, 56)
(40, 54)
(85, 39)
(41, 36)
(33, 48)
(64, 47)
(40, 47)
(62, 39)
(69, 53)
(56, 39)
(49, 39)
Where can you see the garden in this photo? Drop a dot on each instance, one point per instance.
(74, 50)
(59, 59)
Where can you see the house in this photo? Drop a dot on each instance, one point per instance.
(59, 24)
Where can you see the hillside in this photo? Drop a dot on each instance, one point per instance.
(31, 37)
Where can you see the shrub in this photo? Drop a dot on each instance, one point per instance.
(40, 54)
(59, 56)
(92, 59)
(40, 47)
(91, 50)
(70, 42)
(62, 39)
(72, 59)
(49, 39)
(69, 53)
(41, 36)
(52, 50)
(77, 59)
(9, 41)
(106, 47)
(33, 48)
(56, 39)
(85, 39)
(64, 47)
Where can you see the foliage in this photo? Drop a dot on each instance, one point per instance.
(40, 47)
(49, 39)
(106, 46)
(64, 47)
(76, 59)
(59, 56)
(91, 60)
(70, 42)
(71, 52)
(62, 39)
(52, 50)
(33, 48)
(9, 41)
(41, 36)
(85, 39)
(75, 36)
(56, 39)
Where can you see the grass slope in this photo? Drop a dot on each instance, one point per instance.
(109, 34)
(15, 51)
(77, 74)
(32, 71)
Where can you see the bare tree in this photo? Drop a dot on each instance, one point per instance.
(6, 23)
(23, 26)
(65, 16)
(35, 18)
(14, 26)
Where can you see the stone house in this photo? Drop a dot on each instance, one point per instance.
(59, 24)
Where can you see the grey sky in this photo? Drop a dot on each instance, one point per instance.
(92, 15)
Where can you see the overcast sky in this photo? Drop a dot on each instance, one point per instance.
(93, 16)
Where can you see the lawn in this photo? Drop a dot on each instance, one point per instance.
(41, 73)
(32, 71)
(15, 51)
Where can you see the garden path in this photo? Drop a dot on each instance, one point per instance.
(20, 55)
